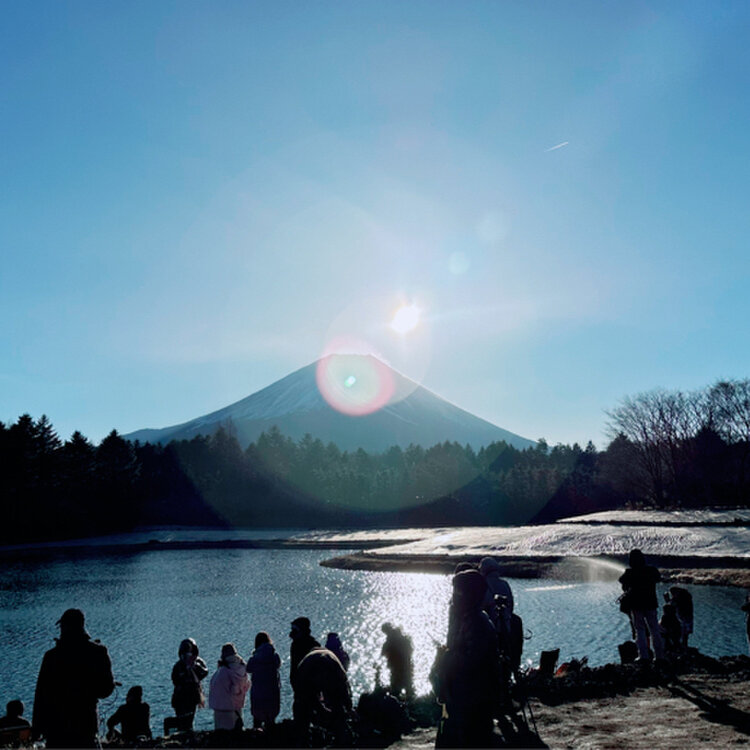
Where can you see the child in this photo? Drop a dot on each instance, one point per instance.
(265, 689)
(134, 716)
(746, 609)
(671, 630)
(683, 601)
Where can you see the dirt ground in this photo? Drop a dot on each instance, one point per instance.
(692, 711)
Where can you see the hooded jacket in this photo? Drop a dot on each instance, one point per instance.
(229, 685)
(265, 685)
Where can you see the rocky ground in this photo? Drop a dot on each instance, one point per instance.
(696, 702)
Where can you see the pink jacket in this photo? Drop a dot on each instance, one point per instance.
(229, 686)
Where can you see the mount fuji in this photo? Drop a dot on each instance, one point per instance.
(353, 400)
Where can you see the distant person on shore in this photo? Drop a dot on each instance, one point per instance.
(398, 650)
(187, 674)
(322, 695)
(13, 718)
(229, 685)
(265, 686)
(302, 644)
(74, 675)
(334, 645)
(639, 584)
(746, 609)
(470, 672)
(683, 602)
(671, 630)
(133, 716)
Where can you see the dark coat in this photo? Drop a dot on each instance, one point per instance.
(73, 676)
(471, 679)
(302, 645)
(265, 682)
(640, 583)
(187, 695)
(320, 674)
(135, 719)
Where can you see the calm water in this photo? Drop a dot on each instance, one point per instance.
(141, 605)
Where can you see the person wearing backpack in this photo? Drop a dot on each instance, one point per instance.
(639, 584)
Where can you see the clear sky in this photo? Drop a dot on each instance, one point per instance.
(199, 197)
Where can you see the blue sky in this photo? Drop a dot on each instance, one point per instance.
(197, 198)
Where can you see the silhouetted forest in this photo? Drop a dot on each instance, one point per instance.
(668, 449)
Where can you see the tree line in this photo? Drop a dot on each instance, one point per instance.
(668, 449)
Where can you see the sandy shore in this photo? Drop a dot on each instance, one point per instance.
(696, 709)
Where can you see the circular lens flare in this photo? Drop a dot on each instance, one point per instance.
(354, 384)
(406, 318)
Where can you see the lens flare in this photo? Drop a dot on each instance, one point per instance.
(354, 384)
(406, 318)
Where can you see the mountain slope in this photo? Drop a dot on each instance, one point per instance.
(358, 384)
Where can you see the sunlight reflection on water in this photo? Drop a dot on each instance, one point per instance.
(142, 605)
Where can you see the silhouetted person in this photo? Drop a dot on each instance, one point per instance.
(470, 680)
(397, 651)
(74, 675)
(671, 631)
(229, 685)
(13, 718)
(746, 609)
(333, 644)
(321, 693)
(15, 731)
(639, 582)
(133, 716)
(187, 674)
(683, 602)
(496, 586)
(265, 684)
(302, 644)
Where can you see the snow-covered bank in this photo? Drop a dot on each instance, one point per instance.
(674, 541)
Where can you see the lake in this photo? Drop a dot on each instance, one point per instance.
(142, 604)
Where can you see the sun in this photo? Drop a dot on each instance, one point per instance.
(406, 318)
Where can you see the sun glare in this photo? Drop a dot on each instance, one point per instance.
(406, 318)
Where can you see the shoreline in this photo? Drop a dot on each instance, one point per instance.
(716, 571)
(696, 569)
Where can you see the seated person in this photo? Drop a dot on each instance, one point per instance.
(13, 718)
(14, 729)
(134, 717)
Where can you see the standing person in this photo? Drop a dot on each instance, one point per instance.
(134, 717)
(302, 644)
(683, 602)
(74, 675)
(265, 685)
(397, 651)
(497, 586)
(746, 609)
(226, 695)
(470, 674)
(187, 674)
(334, 645)
(639, 583)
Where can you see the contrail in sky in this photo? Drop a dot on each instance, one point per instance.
(559, 145)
